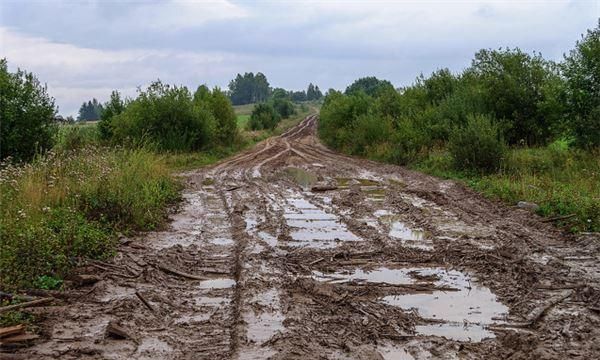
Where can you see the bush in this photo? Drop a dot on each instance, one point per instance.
(164, 115)
(477, 146)
(27, 115)
(219, 106)
(263, 117)
(283, 107)
(111, 108)
(62, 207)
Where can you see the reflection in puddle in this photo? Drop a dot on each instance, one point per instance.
(268, 238)
(471, 304)
(221, 241)
(220, 283)
(313, 227)
(464, 313)
(379, 275)
(212, 301)
(398, 230)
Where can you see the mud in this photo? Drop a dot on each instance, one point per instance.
(392, 264)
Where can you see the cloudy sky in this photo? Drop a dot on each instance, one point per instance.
(84, 49)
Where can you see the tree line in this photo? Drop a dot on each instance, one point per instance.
(250, 88)
(506, 97)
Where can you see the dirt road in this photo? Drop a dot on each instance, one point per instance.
(386, 263)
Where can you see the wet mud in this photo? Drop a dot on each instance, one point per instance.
(380, 263)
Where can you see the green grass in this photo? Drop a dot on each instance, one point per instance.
(561, 181)
(242, 120)
(245, 109)
(70, 205)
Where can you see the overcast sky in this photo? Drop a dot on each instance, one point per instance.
(84, 49)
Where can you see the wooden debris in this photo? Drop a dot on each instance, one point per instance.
(557, 218)
(537, 313)
(233, 188)
(11, 330)
(321, 188)
(18, 339)
(115, 331)
(26, 304)
(85, 279)
(144, 301)
(180, 273)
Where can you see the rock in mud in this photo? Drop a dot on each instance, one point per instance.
(533, 207)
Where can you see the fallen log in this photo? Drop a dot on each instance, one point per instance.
(144, 301)
(181, 273)
(557, 218)
(321, 188)
(18, 339)
(11, 330)
(26, 304)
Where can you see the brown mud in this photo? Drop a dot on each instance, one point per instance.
(379, 262)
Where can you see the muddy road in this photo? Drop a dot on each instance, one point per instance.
(382, 263)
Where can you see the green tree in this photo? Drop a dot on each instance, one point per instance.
(581, 69)
(263, 116)
(369, 85)
(90, 111)
(224, 115)
(249, 88)
(513, 84)
(111, 108)
(26, 115)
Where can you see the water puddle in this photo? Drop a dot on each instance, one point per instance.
(390, 352)
(314, 227)
(268, 238)
(464, 312)
(461, 315)
(212, 301)
(219, 283)
(413, 238)
(222, 241)
(301, 176)
(379, 275)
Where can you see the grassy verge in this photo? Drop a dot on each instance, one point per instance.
(242, 120)
(66, 206)
(561, 181)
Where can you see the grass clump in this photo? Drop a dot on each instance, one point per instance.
(69, 205)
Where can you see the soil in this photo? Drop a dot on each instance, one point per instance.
(378, 262)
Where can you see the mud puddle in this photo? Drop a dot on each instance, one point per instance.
(409, 237)
(311, 226)
(461, 315)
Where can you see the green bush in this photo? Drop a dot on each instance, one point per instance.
(166, 116)
(27, 115)
(477, 146)
(111, 108)
(63, 207)
(263, 116)
(283, 107)
(219, 106)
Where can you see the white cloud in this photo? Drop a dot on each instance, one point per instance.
(175, 15)
(74, 74)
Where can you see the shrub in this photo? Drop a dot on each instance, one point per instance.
(27, 115)
(165, 116)
(370, 85)
(111, 108)
(283, 107)
(62, 207)
(477, 146)
(219, 106)
(263, 117)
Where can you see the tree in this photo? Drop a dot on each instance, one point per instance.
(313, 92)
(111, 108)
(222, 111)
(369, 85)
(298, 96)
(263, 116)
(26, 115)
(581, 69)
(90, 111)
(513, 88)
(249, 88)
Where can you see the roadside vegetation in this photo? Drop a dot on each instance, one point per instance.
(512, 125)
(69, 188)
